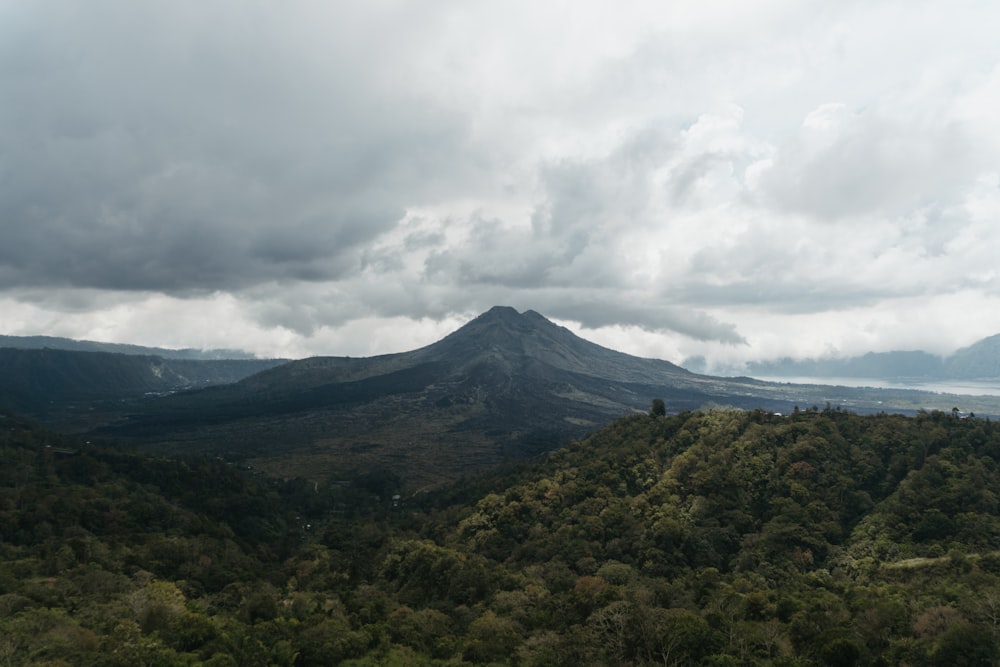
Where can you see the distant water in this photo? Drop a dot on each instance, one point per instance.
(963, 387)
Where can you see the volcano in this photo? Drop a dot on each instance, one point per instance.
(506, 386)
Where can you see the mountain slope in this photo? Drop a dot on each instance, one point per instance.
(817, 538)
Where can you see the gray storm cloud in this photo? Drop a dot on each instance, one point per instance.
(162, 148)
(649, 167)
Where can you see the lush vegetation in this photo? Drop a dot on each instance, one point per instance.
(718, 538)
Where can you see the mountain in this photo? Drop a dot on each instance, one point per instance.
(499, 344)
(979, 361)
(506, 386)
(910, 365)
(40, 380)
(56, 343)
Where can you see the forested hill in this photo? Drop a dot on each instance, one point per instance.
(719, 538)
(39, 380)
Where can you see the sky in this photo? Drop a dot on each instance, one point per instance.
(722, 180)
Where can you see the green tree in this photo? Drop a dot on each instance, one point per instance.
(658, 408)
(964, 644)
(492, 639)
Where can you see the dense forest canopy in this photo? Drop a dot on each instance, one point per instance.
(715, 538)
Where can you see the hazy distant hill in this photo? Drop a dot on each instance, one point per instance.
(883, 365)
(55, 343)
(34, 380)
(976, 362)
(505, 386)
(979, 360)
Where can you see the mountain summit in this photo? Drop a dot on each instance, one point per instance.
(535, 342)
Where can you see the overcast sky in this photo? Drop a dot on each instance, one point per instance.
(738, 180)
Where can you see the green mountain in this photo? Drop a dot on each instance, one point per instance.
(707, 538)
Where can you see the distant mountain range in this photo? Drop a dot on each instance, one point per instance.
(56, 343)
(980, 361)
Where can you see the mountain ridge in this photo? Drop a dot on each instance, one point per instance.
(978, 361)
(59, 343)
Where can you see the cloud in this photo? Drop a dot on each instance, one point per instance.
(690, 178)
(597, 313)
(843, 164)
(167, 148)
